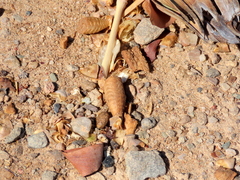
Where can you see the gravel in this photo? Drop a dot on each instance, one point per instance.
(49, 175)
(148, 123)
(82, 126)
(16, 133)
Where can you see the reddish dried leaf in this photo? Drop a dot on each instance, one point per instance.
(151, 49)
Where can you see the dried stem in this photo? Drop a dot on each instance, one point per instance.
(121, 4)
(132, 7)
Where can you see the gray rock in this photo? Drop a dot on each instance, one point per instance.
(49, 175)
(144, 164)
(214, 81)
(15, 134)
(212, 119)
(17, 18)
(82, 126)
(148, 123)
(53, 77)
(39, 140)
(145, 32)
(212, 72)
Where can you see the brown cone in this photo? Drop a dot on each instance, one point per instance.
(86, 160)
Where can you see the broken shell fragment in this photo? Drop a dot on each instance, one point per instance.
(227, 163)
(224, 174)
(102, 119)
(115, 95)
(86, 160)
(91, 25)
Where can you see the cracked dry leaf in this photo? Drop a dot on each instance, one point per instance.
(130, 124)
(135, 60)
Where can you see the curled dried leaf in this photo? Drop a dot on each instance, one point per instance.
(115, 95)
(125, 30)
(91, 25)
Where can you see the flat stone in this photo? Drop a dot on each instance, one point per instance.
(144, 164)
(190, 111)
(72, 68)
(38, 140)
(212, 72)
(148, 123)
(224, 86)
(202, 118)
(212, 120)
(231, 152)
(82, 126)
(187, 39)
(15, 134)
(49, 175)
(53, 77)
(145, 32)
(194, 54)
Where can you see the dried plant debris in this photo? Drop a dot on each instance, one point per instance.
(63, 42)
(90, 70)
(115, 95)
(135, 60)
(91, 25)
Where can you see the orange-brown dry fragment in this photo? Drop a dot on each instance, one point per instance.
(224, 174)
(115, 95)
(63, 42)
(169, 40)
(135, 60)
(91, 25)
(130, 124)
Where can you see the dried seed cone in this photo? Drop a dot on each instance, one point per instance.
(224, 174)
(115, 95)
(91, 25)
(102, 119)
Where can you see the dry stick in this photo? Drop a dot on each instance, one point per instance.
(132, 7)
(121, 4)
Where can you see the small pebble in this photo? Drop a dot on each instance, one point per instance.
(199, 89)
(60, 31)
(72, 68)
(224, 86)
(214, 81)
(38, 140)
(95, 97)
(215, 58)
(90, 107)
(17, 18)
(202, 57)
(53, 77)
(70, 107)
(171, 133)
(231, 152)
(15, 134)
(190, 146)
(212, 120)
(226, 145)
(12, 62)
(49, 29)
(108, 162)
(28, 13)
(148, 123)
(182, 139)
(49, 175)
(56, 107)
(190, 111)
(212, 72)
(79, 142)
(194, 54)
(202, 118)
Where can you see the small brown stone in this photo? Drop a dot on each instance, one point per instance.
(63, 43)
(10, 109)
